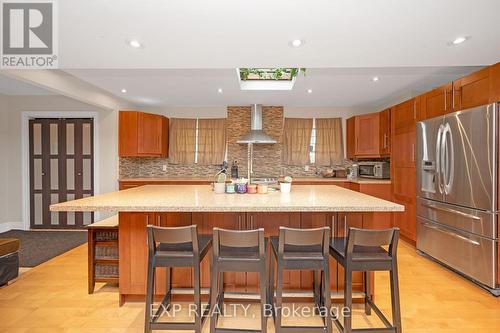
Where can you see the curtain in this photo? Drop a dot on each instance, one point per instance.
(329, 145)
(182, 141)
(296, 141)
(211, 141)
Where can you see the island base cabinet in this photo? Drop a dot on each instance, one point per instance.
(133, 249)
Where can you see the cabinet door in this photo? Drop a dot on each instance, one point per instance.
(133, 259)
(472, 90)
(437, 102)
(403, 118)
(234, 282)
(367, 135)
(345, 221)
(318, 220)
(351, 138)
(127, 133)
(404, 193)
(385, 132)
(495, 87)
(181, 277)
(271, 223)
(149, 134)
(379, 220)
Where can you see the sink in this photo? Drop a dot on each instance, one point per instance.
(264, 180)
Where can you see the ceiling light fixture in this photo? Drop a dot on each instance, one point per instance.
(219, 90)
(134, 43)
(124, 90)
(309, 91)
(375, 78)
(296, 42)
(459, 40)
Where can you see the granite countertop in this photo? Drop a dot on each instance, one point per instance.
(295, 179)
(200, 198)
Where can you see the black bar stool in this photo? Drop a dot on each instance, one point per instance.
(237, 251)
(175, 247)
(305, 249)
(362, 251)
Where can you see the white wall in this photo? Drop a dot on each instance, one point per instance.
(11, 172)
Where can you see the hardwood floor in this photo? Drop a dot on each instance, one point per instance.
(53, 298)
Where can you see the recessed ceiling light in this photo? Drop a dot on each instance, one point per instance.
(124, 90)
(459, 40)
(134, 43)
(296, 42)
(375, 78)
(309, 91)
(219, 90)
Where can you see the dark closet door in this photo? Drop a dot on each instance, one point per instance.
(61, 169)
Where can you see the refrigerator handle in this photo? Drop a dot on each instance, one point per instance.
(450, 159)
(438, 159)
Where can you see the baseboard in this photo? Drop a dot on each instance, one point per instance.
(6, 226)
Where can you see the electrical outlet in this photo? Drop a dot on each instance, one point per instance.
(306, 167)
(164, 167)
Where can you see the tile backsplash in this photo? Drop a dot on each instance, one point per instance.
(267, 157)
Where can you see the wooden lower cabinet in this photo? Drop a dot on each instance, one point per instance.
(133, 248)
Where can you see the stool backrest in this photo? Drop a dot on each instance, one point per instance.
(172, 236)
(317, 238)
(368, 237)
(238, 239)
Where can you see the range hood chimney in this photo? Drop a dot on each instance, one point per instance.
(256, 134)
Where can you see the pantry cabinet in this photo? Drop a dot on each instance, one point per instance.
(351, 138)
(142, 134)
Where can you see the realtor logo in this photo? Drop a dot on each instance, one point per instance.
(28, 34)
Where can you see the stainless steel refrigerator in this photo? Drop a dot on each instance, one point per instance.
(457, 180)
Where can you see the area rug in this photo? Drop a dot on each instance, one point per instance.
(40, 246)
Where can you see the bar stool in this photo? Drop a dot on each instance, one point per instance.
(362, 251)
(174, 247)
(305, 249)
(237, 251)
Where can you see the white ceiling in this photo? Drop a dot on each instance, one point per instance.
(333, 87)
(242, 33)
(10, 86)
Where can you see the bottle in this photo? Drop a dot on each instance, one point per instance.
(234, 170)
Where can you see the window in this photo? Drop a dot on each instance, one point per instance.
(312, 146)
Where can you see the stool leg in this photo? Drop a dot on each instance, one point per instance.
(348, 300)
(396, 310)
(368, 308)
(197, 299)
(149, 296)
(279, 297)
(327, 297)
(221, 293)
(214, 293)
(263, 297)
(270, 293)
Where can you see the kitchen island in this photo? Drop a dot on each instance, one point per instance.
(178, 205)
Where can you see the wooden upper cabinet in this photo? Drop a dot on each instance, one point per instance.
(404, 117)
(472, 90)
(495, 85)
(436, 102)
(351, 138)
(367, 135)
(142, 134)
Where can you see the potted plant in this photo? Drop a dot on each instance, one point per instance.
(220, 185)
(286, 185)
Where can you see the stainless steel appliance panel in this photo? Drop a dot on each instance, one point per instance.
(428, 163)
(469, 158)
(471, 220)
(469, 254)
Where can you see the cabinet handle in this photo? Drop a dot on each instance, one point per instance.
(345, 225)
(445, 94)
(147, 219)
(333, 225)
(414, 110)
(413, 152)
(385, 140)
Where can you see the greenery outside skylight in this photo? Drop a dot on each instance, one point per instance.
(273, 74)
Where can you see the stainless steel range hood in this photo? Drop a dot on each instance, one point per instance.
(256, 134)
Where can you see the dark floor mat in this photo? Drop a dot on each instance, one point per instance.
(40, 246)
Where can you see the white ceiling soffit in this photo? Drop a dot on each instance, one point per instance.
(257, 33)
(13, 87)
(330, 87)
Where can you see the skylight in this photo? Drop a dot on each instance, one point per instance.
(268, 78)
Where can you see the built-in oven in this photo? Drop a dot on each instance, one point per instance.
(379, 170)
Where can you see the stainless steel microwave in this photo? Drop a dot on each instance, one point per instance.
(378, 170)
